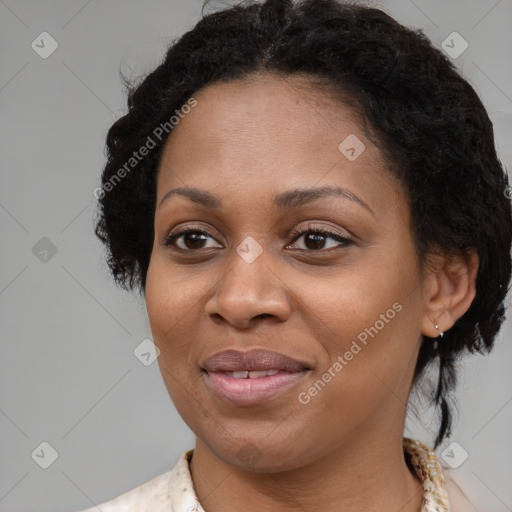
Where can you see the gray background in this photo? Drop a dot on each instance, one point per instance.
(68, 373)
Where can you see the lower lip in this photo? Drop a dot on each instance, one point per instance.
(252, 391)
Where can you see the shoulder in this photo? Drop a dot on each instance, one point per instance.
(458, 500)
(151, 496)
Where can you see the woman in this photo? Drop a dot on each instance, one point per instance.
(309, 197)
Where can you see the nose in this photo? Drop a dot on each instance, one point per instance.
(248, 292)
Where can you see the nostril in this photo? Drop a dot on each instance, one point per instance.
(264, 315)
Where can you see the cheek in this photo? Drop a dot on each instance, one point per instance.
(365, 320)
(170, 298)
(345, 303)
(173, 305)
(167, 314)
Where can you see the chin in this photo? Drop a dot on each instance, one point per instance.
(258, 454)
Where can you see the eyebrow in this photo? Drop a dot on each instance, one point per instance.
(286, 200)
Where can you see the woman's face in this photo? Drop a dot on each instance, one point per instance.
(345, 304)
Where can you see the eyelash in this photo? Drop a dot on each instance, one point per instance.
(296, 234)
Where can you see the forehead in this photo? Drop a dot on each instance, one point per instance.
(284, 113)
(269, 132)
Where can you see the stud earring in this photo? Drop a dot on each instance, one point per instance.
(441, 333)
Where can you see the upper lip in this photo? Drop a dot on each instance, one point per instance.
(253, 360)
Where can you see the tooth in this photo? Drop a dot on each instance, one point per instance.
(257, 373)
(239, 375)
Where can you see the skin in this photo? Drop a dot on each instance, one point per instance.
(307, 298)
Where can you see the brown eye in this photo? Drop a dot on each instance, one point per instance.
(315, 239)
(190, 239)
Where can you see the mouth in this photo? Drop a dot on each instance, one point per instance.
(250, 378)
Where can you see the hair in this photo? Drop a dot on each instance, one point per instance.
(429, 121)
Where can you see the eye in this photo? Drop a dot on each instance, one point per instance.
(190, 239)
(316, 237)
(193, 239)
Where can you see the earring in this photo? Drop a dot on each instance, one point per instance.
(440, 335)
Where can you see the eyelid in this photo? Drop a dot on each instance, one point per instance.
(333, 232)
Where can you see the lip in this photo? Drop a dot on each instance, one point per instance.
(251, 391)
(256, 359)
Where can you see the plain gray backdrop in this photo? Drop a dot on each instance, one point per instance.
(74, 396)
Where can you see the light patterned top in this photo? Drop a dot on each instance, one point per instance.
(174, 491)
(428, 469)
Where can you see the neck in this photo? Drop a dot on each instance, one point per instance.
(364, 474)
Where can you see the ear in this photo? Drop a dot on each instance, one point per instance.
(449, 290)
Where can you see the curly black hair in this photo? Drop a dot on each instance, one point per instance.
(430, 124)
